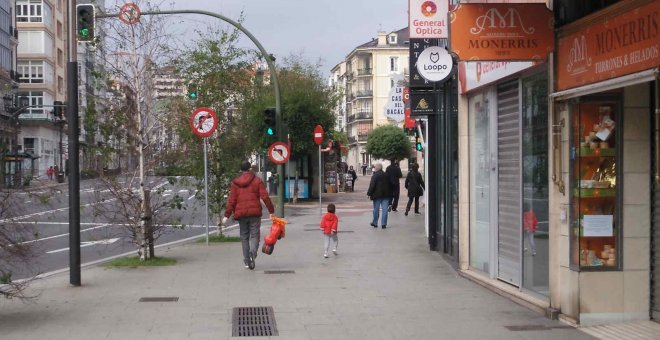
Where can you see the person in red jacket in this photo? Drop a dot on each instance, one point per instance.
(245, 196)
(530, 224)
(329, 223)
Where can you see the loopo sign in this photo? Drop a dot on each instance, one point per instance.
(434, 64)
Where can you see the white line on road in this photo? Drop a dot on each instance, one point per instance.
(86, 244)
(62, 235)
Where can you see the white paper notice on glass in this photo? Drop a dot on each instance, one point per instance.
(598, 225)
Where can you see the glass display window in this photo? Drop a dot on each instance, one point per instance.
(595, 183)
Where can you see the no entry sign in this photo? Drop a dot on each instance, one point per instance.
(203, 121)
(318, 135)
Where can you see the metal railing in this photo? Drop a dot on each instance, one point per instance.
(364, 93)
(364, 71)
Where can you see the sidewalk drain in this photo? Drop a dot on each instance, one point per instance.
(253, 321)
(534, 328)
(279, 271)
(159, 299)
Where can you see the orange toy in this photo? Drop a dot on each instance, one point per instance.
(276, 233)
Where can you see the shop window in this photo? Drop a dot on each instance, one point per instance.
(595, 184)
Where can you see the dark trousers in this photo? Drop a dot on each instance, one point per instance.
(410, 200)
(394, 200)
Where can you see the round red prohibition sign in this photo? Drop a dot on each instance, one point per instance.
(279, 153)
(129, 13)
(318, 135)
(203, 121)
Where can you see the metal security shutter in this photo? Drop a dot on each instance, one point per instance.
(509, 183)
(655, 255)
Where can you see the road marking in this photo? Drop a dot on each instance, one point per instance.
(62, 235)
(86, 244)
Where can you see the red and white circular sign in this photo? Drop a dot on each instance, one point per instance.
(129, 13)
(203, 121)
(318, 135)
(279, 153)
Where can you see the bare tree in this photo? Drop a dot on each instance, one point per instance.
(131, 53)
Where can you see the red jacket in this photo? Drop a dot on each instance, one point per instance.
(329, 223)
(244, 197)
(530, 223)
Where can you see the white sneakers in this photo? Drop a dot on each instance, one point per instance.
(325, 255)
(334, 251)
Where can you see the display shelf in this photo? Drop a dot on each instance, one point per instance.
(595, 192)
(584, 152)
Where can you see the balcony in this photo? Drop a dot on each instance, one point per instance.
(364, 71)
(364, 93)
(359, 116)
(360, 138)
(349, 76)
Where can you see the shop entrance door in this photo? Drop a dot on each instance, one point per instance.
(509, 183)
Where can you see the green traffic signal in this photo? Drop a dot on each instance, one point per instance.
(418, 146)
(270, 131)
(192, 95)
(85, 16)
(270, 121)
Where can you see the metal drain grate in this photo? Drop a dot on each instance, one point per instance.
(159, 299)
(253, 321)
(279, 271)
(534, 328)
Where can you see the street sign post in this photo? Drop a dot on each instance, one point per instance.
(279, 153)
(204, 122)
(318, 139)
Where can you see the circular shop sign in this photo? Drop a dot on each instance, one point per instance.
(129, 13)
(203, 121)
(279, 153)
(434, 64)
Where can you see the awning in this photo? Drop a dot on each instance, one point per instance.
(18, 156)
(627, 80)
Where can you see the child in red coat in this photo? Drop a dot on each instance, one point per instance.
(329, 223)
(530, 224)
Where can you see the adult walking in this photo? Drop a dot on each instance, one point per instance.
(379, 192)
(415, 185)
(364, 169)
(354, 176)
(394, 174)
(245, 196)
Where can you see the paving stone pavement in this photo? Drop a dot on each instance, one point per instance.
(383, 284)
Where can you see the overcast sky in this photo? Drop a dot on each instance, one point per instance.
(326, 29)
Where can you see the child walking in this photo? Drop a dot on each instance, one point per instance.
(329, 223)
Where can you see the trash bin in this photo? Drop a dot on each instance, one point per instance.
(60, 177)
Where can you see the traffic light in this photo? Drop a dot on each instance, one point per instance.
(58, 109)
(85, 15)
(418, 141)
(269, 121)
(192, 94)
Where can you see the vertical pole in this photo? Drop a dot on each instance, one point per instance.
(320, 182)
(74, 146)
(206, 190)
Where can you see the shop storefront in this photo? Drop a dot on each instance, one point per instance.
(507, 143)
(604, 165)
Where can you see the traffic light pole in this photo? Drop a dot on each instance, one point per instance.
(273, 77)
(74, 147)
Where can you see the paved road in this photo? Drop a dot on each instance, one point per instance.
(42, 214)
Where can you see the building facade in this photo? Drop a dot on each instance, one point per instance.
(8, 136)
(41, 68)
(371, 70)
(571, 143)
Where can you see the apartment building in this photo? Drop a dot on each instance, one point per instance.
(8, 43)
(41, 68)
(371, 70)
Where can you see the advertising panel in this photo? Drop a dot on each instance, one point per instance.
(428, 18)
(501, 31)
(614, 46)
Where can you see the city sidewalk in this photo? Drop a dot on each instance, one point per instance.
(384, 284)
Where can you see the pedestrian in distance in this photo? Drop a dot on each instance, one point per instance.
(329, 223)
(364, 169)
(50, 173)
(394, 174)
(245, 195)
(415, 185)
(354, 176)
(379, 192)
(530, 225)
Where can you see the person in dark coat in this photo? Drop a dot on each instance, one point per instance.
(394, 174)
(379, 192)
(415, 185)
(245, 196)
(354, 176)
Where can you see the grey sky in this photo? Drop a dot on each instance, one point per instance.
(326, 29)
